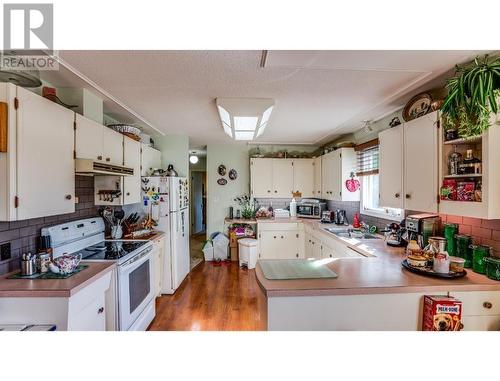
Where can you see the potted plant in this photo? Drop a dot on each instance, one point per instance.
(472, 96)
(247, 206)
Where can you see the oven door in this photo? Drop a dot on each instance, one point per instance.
(305, 210)
(136, 287)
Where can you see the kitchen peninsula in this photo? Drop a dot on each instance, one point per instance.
(372, 292)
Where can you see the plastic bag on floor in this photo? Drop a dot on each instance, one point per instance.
(208, 251)
(221, 245)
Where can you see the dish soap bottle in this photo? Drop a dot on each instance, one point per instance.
(293, 208)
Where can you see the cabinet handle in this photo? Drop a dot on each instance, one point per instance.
(274, 237)
(99, 157)
(281, 237)
(100, 310)
(331, 256)
(408, 196)
(275, 191)
(68, 197)
(108, 159)
(268, 191)
(397, 195)
(487, 305)
(128, 193)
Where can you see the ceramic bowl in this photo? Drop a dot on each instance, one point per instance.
(65, 264)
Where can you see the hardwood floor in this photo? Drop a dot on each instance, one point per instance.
(213, 298)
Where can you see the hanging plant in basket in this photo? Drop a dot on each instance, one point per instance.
(472, 96)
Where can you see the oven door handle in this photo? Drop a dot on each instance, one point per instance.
(139, 256)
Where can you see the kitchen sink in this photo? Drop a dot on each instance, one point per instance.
(350, 233)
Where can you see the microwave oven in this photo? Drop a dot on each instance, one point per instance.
(310, 209)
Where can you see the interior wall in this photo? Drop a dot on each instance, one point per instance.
(174, 150)
(221, 197)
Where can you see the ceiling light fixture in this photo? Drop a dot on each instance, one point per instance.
(244, 118)
(193, 159)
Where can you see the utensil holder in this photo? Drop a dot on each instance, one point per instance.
(28, 267)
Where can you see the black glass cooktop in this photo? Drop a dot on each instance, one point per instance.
(111, 250)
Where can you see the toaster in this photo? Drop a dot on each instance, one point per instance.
(328, 217)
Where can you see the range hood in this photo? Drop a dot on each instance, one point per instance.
(92, 167)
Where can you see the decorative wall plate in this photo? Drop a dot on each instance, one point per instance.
(222, 181)
(417, 106)
(222, 170)
(233, 174)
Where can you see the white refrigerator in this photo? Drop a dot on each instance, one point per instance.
(167, 200)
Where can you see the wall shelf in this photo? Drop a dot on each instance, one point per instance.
(467, 140)
(472, 175)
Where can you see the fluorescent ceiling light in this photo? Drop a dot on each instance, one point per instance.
(193, 159)
(244, 118)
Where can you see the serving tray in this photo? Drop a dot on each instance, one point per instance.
(426, 271)
(48, 275)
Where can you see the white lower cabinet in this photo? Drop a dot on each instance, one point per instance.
(89, 309)
(158, 254)
(281, 241)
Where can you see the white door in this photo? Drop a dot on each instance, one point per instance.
(150, 159)
(89, 139)
(421, 163)
(113, 146)
(132, 159)
(336, 175)
(391, 167)
(261, 172)
(45, 164)
(282, 178)
(317, 177)
(303, 177)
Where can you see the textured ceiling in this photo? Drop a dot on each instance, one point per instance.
(319, 94)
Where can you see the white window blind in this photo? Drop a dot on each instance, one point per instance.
(368, 159)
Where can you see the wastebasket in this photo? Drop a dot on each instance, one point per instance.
(248, 251)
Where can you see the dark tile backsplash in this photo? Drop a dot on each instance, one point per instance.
(23, 235)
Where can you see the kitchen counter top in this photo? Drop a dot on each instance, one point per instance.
(150, 237)
(378, 273)
(54, 287)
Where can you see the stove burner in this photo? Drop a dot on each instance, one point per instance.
(111, 250)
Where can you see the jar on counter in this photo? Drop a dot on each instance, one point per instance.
(479, 254)
(43, 260)
(463, 249)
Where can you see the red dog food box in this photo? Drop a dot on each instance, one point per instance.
(441, 313)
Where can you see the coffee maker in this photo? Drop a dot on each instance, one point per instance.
(422, 226)
(341, 217)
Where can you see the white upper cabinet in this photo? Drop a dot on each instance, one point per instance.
(317, 177)
(97, 142)
(37, 171)
(421, 163)
(282, 178)
(89, 139)
(132, 184)
(113, 147)
(303, 177)
(336, 169)
(261, 173)
(391, 167)
(409, 165)
(150, 159)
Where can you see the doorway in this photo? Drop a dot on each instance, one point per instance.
(198, 206)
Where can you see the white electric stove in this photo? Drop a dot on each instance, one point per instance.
(134, 301)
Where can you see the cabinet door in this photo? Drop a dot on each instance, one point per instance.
(150, 159)
(316, 248)
(45, 164)
(308, 246)
(113, 146)
(303, 177)
(282, 178)
(391, 167)
(290, 244)
(317, 177)
(336, 175)
(421, 163)
(132, 184)
(89, 138)
(327, 176)
(269, 245)
(261, 173)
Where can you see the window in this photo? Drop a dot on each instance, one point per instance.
(370, 198)
(367, 170)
